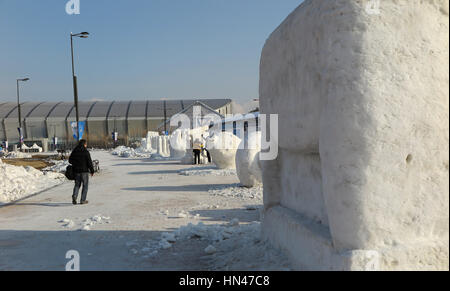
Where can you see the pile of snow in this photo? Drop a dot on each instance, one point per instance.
(207, 171)
(18, 155)
(237, 191)
(126, 152)
(58, 167)
(19, 182)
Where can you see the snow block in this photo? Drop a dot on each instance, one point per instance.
(247, 160)
(361, 180)
(179, 143)
(223, 147)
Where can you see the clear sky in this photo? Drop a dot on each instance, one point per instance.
(138, 49)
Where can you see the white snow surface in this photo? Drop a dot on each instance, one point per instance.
(19, 182)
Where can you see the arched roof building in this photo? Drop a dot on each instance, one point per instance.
(132, 119)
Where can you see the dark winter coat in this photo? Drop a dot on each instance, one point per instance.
(81, 161)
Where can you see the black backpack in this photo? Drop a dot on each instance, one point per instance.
(70, 174)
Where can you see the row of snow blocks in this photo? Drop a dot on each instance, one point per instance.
(362, 92)
(147, 141)
(163, 148)
(160, 144)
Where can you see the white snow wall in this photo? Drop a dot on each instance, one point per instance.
(361, 181)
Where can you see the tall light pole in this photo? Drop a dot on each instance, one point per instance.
(18, 108)
(115, 132)
(75, 87)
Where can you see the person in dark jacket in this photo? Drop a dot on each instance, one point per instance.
(81, 161)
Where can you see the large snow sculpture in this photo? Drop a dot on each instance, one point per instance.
(361, 181)
(223, 146)
(179, 143)
(247, 160)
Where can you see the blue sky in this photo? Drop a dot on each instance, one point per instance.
(138, 49)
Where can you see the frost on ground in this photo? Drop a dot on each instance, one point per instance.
(231, 246)
(19, 182)
(126, 152)
(237, 191)
(207, 171)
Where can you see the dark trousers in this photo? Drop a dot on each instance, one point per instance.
(197, 156)
(209, 156)
(81, 179)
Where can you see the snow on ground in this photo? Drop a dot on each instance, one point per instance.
(18, 155)
(58, 167)
(126, 152)
(237, 191)
(158, 157)
(245, 250)
(86, 224)
(19, 182)
(207, 171)
(230, 247)
(96, 219)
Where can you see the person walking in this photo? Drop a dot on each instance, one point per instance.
(197, 151)
(81, 161)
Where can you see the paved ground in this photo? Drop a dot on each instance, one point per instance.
(135, 194)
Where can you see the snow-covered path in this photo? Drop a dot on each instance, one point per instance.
(135, 201)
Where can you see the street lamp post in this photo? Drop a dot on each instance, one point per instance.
(75, 86)
(18, 108)
(115, 132)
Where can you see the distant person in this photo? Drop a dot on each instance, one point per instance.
(81, 161)
(197, 151)
(206, 150)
